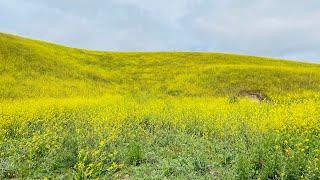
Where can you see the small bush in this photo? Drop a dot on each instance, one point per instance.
(134, 154)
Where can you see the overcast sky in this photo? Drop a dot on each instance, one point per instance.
(278, 28)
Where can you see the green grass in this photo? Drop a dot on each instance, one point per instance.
(78, 114)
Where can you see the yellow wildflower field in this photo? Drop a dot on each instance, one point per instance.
(68, 113)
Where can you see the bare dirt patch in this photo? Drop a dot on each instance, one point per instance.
(254, 95)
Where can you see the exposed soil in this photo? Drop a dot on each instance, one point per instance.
(254, 95)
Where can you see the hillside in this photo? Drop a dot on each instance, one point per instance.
(68, 113)
(33, 69)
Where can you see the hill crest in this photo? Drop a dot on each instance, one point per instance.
(33, 69)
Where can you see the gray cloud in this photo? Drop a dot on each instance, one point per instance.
(286, 29)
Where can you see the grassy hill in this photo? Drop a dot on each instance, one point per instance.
(69, 113)
(32, 69)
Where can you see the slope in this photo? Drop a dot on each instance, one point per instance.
(68, 113)
(33, 69)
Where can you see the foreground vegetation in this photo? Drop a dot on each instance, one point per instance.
(69, 113)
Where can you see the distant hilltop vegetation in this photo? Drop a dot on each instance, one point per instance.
(34, 69)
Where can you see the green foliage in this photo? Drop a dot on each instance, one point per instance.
(233, 99)
(134, 154)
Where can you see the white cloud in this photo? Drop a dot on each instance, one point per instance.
(287, 28)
